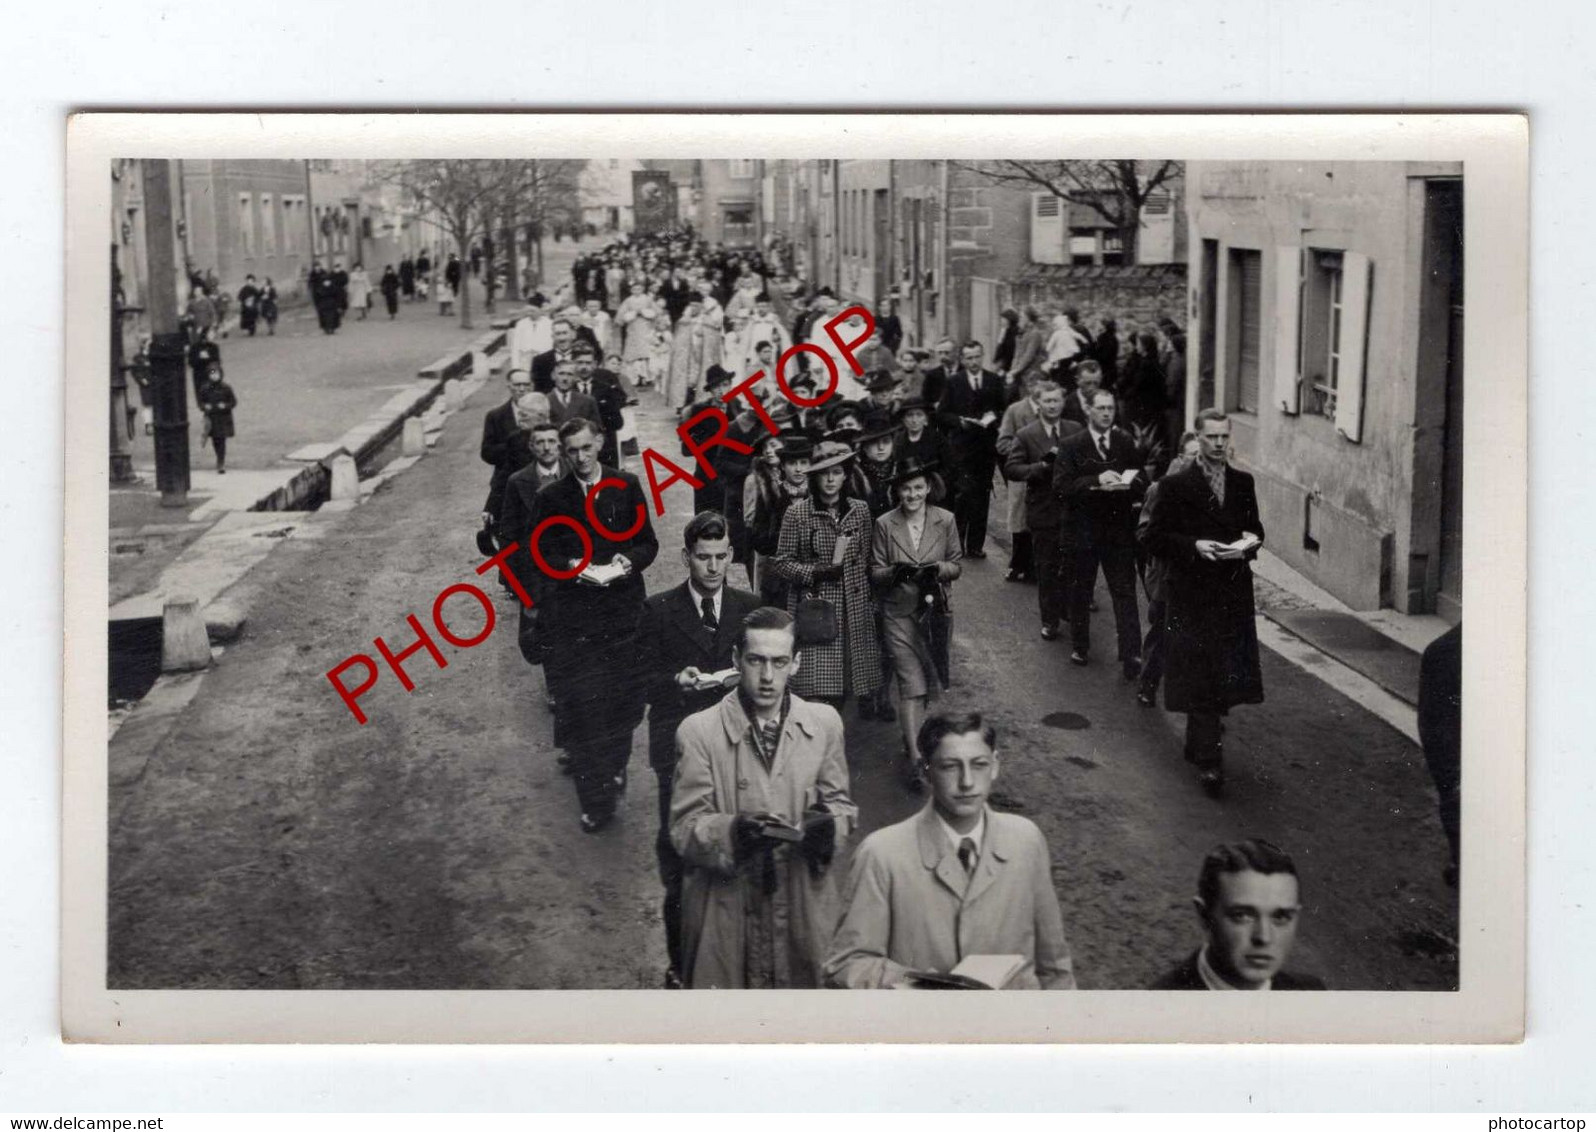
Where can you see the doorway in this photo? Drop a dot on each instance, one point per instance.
(1444, 235)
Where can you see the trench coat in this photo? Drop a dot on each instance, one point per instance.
(851, 663)
(1212, 663)
(725, 908)
(1015, 417)
(910, 906)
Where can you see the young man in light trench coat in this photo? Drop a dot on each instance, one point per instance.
(759, 808)
(957, 879)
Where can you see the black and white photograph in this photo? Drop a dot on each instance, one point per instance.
(1021, 565)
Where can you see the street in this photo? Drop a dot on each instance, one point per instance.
(271, 842)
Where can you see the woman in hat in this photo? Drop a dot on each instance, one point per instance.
(823, 553)
(914, 555)
(919, 441)
(877, 463)
(780, 478)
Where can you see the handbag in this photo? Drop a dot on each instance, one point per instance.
(530, 639)
(816, 622)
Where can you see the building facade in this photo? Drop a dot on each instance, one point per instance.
(1326, 307)
(243, 218)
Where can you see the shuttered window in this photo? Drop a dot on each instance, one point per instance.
(1246, 326)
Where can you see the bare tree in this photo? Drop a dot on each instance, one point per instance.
(467, 199)
(1115, 190)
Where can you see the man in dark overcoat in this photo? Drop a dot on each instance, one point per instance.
(506, 444)
(970, 411)
(592, 666)
(1212, 641)
(686, 634)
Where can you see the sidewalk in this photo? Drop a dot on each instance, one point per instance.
(294, 389)
(1371, 657)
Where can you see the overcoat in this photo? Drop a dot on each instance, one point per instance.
(592, 670)
(851, 663)
(1212, 662)
(726, 912)
(910, 906)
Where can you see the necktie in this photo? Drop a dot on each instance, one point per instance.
(708, 606)
(1102, 445)
(967, 855)
(585, 389)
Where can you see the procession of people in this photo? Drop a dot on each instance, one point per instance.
(848, 527)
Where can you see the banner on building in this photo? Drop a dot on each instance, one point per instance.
(653, 200)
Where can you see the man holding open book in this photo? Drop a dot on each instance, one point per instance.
(1206, 526)
(685, 640)
(958, 895)
(1099, 474)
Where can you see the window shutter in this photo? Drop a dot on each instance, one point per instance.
(1353, 348)
(1048, 218)
(1288, 316)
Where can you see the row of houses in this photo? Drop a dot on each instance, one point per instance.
(1323, 304)
(267, 218)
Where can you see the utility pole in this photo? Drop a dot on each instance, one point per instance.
(167, 353)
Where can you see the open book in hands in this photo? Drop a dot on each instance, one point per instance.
(1121, 480)
(1241, 546)
(974, 972)
(709, 681)
(596, 575)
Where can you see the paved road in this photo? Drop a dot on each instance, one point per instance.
(272, 842)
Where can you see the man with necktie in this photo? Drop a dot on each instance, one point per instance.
(1031, 461)
(956, 880)
(567, 403)
(684, 636)
(591, 668)
(1100, 527)
(970, 411)
(608, 397)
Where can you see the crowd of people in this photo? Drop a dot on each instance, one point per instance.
(852, 523)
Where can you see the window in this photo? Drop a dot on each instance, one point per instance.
(737, 223)
(294, 222)
(1047, 228)
(268, 226)
(1083, 246)
(246, 225)
(1322, 316)
(1321, 330)
(1113, 248)
(1244, 330)
(740, 170)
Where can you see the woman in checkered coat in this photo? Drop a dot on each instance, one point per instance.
(851, 664)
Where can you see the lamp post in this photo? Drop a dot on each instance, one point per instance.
(167, 353)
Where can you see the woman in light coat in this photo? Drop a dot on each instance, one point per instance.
(360, 290)
(914, 555)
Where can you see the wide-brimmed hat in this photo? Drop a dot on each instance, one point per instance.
(844, 408)
(828, 454)
(795, 446)
(910, 405)
(880, 381)
(877, 424)
(912, 468)
(716, 374)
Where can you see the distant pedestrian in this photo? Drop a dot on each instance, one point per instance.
(248, 306)
(407, 278)
(451, 274)
(201, 313)
(268, 305)
(217, 401)
(360, 290)
(340, 281)
(390, 286)
(324, 297)
(203, 355)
